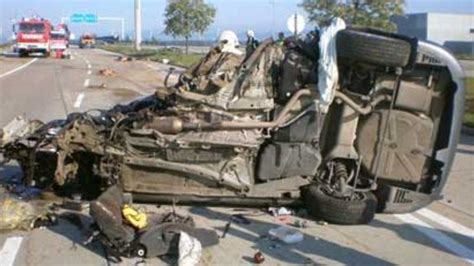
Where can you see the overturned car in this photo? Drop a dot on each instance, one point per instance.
(279, 128)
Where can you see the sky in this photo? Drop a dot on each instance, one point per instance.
(265, 17)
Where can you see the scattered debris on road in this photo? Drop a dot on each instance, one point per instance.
(75, 205)
(15, 214)
(97, 86)
(286, 234)
(24, 192)
(189, 249)
(280, 211)
(131, 232)
(258, 258)
(50, 219)
(124, 58)
(18, 128)
(239, 219)
(301, 223)
(134, 216)
(323, 223)
(19, 214)
(107, 72)
(226, 229)
(282, 214)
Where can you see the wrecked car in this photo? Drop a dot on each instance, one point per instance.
(358, 122)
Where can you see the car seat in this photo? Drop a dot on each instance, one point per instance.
(159, 237)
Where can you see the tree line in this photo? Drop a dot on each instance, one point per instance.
(183, 18)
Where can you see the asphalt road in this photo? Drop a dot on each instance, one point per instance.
(47, 89)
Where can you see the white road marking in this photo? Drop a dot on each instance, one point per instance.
(78, 101)
(9, 250)
(86, 82)
(89, 66)
(108, 52)
(442, 239)
(89, 72)
(18, 68)
(439, 219)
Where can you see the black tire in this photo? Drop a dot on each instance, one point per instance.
(364, 47)
(23, 53)
(322, 206)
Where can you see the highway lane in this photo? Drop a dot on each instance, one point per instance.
(50, 88)
(34, 90)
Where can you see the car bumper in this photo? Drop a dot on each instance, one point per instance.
(33, 46)
(58, 47)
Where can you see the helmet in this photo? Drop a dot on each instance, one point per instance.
(228, 38)
(228, 42)
(250, 34)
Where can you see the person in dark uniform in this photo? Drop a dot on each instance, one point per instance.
(281, 39)
(252, 43)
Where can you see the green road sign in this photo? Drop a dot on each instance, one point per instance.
(90, 18)
(83, 18)
(76, 18)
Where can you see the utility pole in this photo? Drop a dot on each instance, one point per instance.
(138, 24)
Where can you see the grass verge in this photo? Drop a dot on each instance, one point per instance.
(469, 111)
(175, 56)
(464, 56)
(5, 47)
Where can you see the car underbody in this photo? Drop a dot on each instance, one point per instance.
(257, 134)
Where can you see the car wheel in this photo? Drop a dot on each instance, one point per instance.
(365, 47)
(324, 206)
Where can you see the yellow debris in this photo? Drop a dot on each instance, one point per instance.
(16, 214)
(135, 217)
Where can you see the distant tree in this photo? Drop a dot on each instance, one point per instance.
(367, 13)
(183, 18)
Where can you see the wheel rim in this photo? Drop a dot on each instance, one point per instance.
(356, 195)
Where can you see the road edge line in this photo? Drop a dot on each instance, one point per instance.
(109, 52)
(18, 68)
(442, 239)
(448, 223)
(79, 99)
(10, 250)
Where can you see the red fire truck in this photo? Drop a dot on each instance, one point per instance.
(33, 36)
(59, 43)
